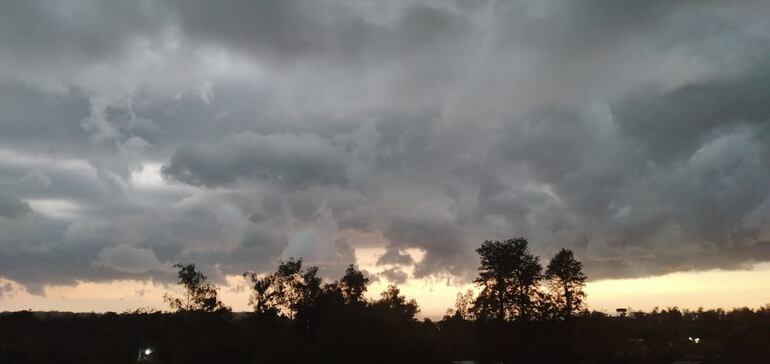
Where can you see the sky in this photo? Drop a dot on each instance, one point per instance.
(395, 135)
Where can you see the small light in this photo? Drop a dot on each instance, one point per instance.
(697, 340)
(689, 338)
(147, 351)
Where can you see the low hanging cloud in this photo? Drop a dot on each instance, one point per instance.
(395, 256)
(238, 133)
(128, 259)
(293, 161)
(11, 208)
(444, 246)
(395, 275)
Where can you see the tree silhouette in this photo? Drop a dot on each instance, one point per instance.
(397, 306)
(277, 293)
(308, 291)
(199, 296)
(546, 306)
(287, 291)
(566, 279)
(353, 285)
(509, 277)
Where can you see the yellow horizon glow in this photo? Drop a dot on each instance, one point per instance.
(709, 289)
(686, 290)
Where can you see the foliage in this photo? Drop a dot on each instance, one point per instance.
(199, 296)
(566, 282)
(463, 308)
(353, 285)
(509, 275)
(396, 306)
(286, 291)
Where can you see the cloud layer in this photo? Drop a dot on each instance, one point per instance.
(233, 134)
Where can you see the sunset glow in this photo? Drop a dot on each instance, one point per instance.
(686, 290)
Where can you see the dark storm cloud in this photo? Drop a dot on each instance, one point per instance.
(294, 161)
(11, 207)
(394, 275)
(580, 27)
(674, 124)
(60, 266)
(343, 31)
(395, 256)
(260, 247)
(671, 173)
(37, 29)
(444, 246)
(727, 258)
(234, 134)
(274, 29)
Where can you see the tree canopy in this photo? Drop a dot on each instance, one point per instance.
(508, 276)
(199, 295)
(566, 281)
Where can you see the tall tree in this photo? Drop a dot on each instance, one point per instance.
(566, 279)
(199, 295)
(509, 276)
(353, 285)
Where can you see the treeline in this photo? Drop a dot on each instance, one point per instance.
(524, 312)
(514, 286)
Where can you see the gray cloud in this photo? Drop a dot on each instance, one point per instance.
(395, 256)
(273, 29)
(137, 135)
(38, 178)
(124, 258)
(395, 275)
(444, 246)
(40, 29)
(11, 207)
(294, 161)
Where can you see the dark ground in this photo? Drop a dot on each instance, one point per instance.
(738, 336)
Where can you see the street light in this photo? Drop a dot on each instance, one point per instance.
(144, 355)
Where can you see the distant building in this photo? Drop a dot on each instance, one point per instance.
(621, 312)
